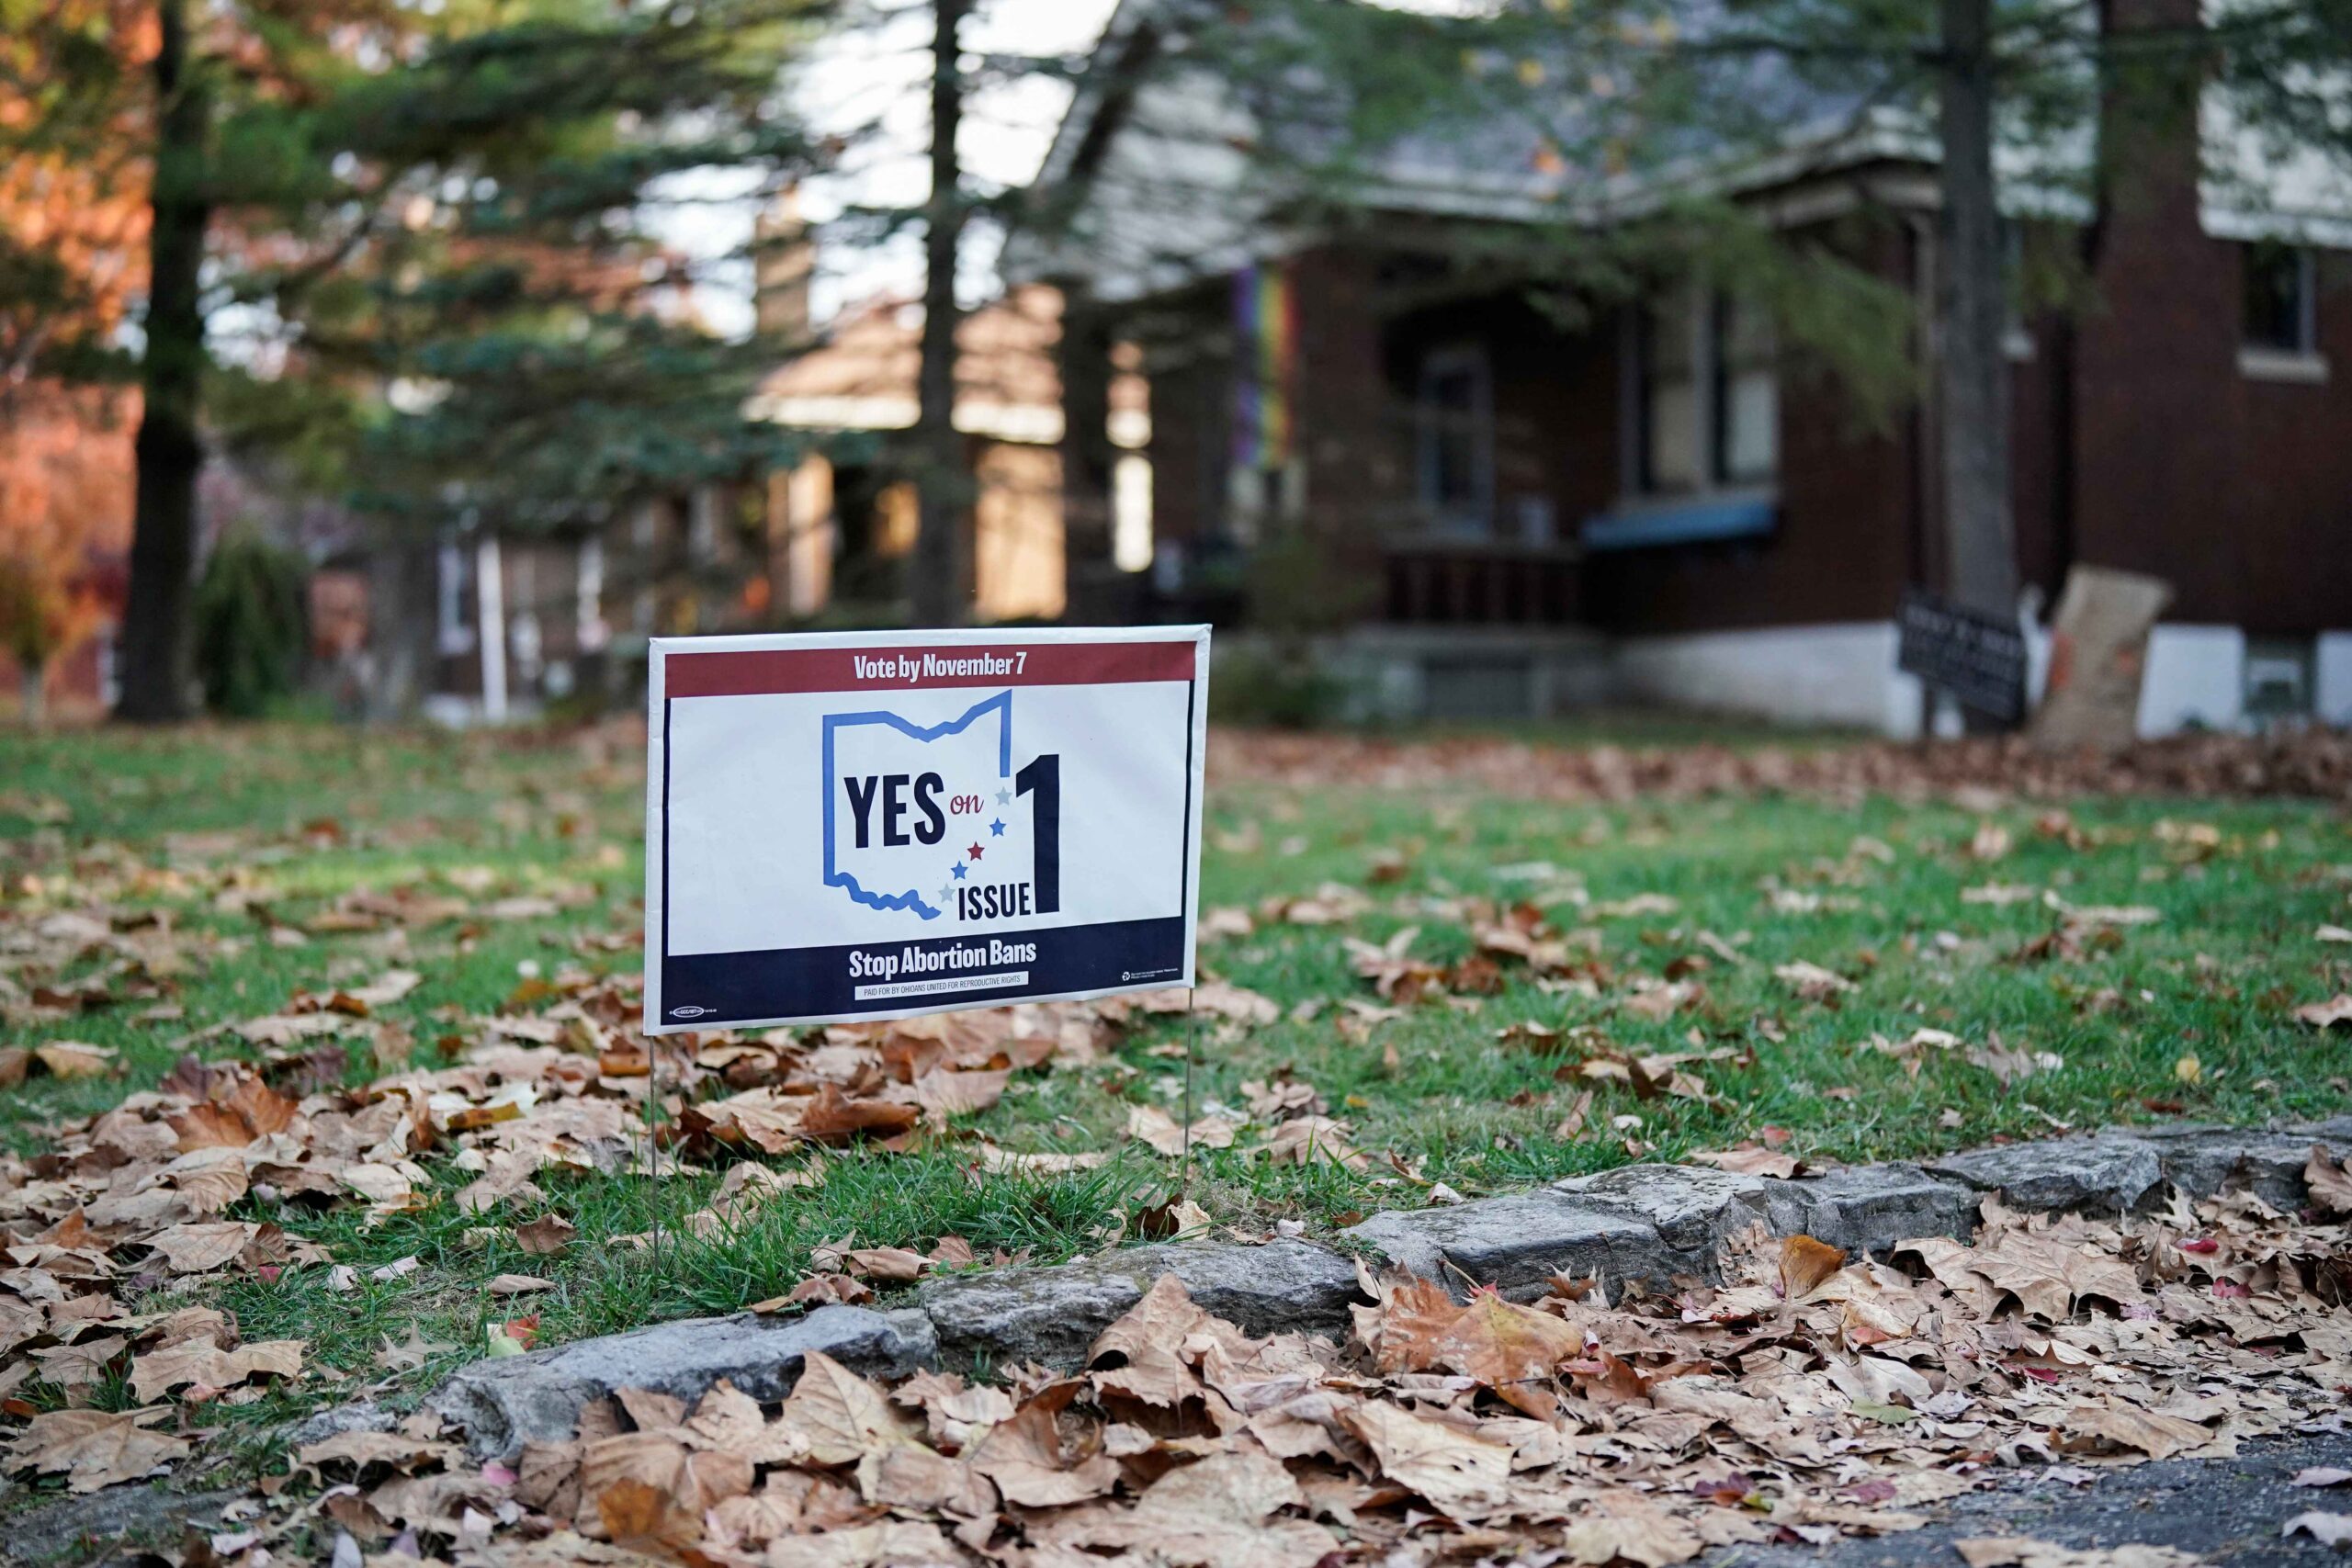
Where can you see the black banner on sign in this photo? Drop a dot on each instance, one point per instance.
(1979, 658)
(711, 990)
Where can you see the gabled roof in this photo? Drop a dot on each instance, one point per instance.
(1152, 158)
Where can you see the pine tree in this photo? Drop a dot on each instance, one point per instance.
(451, 201)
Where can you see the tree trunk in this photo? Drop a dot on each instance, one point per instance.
(33, 687)
(168, 456)
(942, 480)
(1972, 321)
(402, 623)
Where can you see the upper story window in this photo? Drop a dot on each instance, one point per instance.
(2279, 320)
(1707, 400)
(1455, 429)
(2282, 311)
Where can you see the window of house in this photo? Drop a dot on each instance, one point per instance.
(2280, 308)
(1669, 396)
(1455, 428)
(1131, 512)
(1747, 394)
(1707, 396)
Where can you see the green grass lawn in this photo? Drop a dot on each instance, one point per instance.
(228, 836)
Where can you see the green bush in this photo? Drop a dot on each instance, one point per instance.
(1281, 687)
(250, 625)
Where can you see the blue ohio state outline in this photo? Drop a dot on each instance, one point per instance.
(911, 898)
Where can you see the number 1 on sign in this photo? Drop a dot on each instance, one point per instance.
(1043, 778)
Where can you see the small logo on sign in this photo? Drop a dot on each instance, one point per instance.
(688, 1011)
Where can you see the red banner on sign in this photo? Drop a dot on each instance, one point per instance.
(933, 668)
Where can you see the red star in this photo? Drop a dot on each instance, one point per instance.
(976, 852)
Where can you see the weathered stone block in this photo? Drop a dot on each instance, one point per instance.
(1053, 1315)
(501, 1405)
(2106, 1174)
(1519, 1241)
(2203, 1160)
(1693, 1209)
(1868, 1208)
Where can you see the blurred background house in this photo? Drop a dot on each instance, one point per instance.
(1519, 510)
(1371, 431)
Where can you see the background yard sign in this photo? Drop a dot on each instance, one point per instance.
(874, 825)
(1980, 660)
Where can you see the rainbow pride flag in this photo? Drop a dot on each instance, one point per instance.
(1265, 323)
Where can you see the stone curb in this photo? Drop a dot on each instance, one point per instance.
(1640, 1223)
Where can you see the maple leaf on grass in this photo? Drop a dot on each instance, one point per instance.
(1750, 1160)
(547, 1235)
(1150, 1125)
(833, 1117)
(74, 1059)
(201, 1362)
(94, 1448)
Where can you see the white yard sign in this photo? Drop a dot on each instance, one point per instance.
(873, 825)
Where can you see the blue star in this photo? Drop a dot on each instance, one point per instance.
(1004, 797)
(996, 829)
(958, 869)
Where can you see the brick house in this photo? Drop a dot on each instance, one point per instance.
(1655, 504)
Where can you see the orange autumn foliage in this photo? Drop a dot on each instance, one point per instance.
(65, 506)
(66, 484)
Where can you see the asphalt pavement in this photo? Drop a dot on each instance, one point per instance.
(2228, 1511)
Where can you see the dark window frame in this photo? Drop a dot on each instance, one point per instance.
(1470, 512)
(2279, 299)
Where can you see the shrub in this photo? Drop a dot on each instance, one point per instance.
(249, 624)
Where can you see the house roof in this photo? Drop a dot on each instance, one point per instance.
(1168, 194)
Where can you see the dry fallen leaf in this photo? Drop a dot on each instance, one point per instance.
(1807, 1264)
(1511, 1350)
(74, 1059)
(545, 1235)
(841, 1416)
(2021, 1551)
(1455, 1468)
(2337, 1009)
(94, 1448)
(201, 1362)
(2332, 1530)
(1165, 1134)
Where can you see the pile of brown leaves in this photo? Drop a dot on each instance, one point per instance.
(1804, 1398)
(2315, 763)
(141, 1197)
